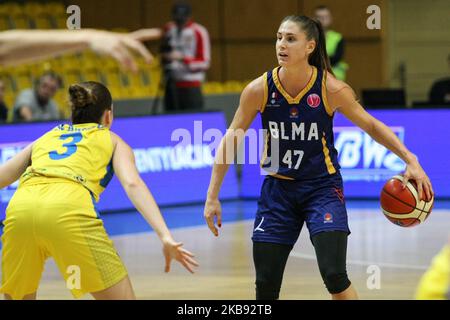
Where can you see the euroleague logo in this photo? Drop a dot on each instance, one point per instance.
(313, 100)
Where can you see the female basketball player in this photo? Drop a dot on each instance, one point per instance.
(435, 282)
(297, 101)
(52, 213)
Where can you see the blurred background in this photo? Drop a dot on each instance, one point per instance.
(400, 61)
(400, 72)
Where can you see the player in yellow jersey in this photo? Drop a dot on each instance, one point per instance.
(52, 213)
(435, 283)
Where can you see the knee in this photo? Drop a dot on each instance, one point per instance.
(267, 290)
(336, 282)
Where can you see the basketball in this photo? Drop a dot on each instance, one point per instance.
(403, 206)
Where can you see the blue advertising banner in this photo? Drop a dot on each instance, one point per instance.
(366, 165)
(174, 155)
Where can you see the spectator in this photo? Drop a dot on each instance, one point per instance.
(440, 91)
(3, 108)
(186, 57)
(334, 42)
(37, 104)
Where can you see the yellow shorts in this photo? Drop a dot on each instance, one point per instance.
(58, 220)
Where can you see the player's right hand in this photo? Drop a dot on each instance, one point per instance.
(415, 172)
(213, 209)
(174, 250)
(119, 46)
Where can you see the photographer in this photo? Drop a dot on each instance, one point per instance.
(185, 58)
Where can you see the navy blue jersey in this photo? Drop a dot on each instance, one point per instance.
(299, 130)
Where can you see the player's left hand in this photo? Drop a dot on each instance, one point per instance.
(213, 209)
(415, 172)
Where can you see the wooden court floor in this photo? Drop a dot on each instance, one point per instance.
(226, 267)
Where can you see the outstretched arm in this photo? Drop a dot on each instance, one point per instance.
(342, 98)
(15, 167)
(125, 168)
(251, 100)
(20, 46)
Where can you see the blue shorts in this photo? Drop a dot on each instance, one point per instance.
(284, 205)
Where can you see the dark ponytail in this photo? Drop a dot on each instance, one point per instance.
(88, 101)
(314, 31)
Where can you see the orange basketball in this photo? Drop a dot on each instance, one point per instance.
(403, 206)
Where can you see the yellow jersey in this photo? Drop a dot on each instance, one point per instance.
(80, 153)
(435, 283)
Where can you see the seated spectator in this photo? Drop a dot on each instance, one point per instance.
(3, 108)
(440, 90)
(36, 104)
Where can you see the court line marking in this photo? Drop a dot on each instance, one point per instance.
(204, 225)
(365, 211)
(293, 253)
(364, 263)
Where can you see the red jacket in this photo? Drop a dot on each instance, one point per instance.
(193, 42)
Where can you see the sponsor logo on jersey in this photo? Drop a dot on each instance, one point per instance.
(273, 100)
(327, 218)
(258, 228)
(293, 112)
